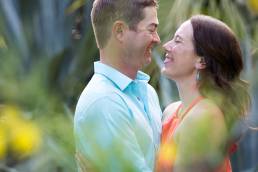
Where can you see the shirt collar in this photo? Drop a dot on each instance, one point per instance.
(121, 80)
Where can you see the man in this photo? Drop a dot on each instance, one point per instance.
(117, 121)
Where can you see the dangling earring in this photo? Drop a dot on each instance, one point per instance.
(198, 77)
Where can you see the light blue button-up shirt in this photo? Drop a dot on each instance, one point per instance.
(117, 123)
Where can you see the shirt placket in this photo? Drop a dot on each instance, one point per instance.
(140, 93)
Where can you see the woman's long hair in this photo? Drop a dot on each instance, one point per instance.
(220, 81)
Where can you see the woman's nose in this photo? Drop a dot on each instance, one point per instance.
(167, 46)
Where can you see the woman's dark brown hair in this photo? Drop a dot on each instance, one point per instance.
(220, 81)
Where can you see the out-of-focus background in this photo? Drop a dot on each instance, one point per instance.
(47, 50)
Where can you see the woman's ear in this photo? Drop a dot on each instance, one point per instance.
(118, 30)
(200, 63)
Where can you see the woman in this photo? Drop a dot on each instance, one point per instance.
(205, 61)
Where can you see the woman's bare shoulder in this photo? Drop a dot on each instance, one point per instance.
(204, 125)
(170, 109)
(207, 106)
(206, 111)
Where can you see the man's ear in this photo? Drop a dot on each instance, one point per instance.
(200, 63)
(118, 30)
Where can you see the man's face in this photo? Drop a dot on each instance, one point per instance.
(139, 42)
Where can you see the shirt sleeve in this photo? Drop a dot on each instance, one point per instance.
(105, 137)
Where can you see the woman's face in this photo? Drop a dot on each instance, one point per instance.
(180, 58)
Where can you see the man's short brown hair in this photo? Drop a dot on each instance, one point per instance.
(105, 12)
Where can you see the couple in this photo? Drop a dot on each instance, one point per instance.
(118, 122)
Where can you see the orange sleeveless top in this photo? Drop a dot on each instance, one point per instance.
(167, 153)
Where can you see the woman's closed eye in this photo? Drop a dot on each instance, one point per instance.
(177, 39)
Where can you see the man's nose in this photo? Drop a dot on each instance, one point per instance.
(156, 38)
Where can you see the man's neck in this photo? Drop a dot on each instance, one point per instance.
(115, 62)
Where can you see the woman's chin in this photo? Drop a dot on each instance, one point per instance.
(166, 73)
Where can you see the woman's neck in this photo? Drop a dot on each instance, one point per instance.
(188, 91)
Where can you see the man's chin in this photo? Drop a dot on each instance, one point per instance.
(148, 60)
